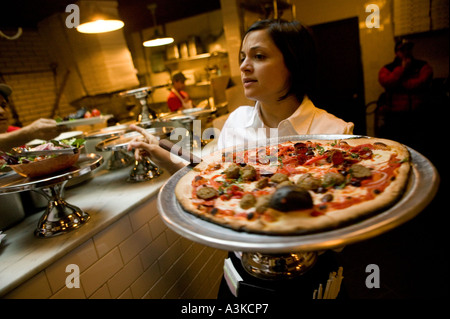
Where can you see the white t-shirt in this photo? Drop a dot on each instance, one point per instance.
(244, 126)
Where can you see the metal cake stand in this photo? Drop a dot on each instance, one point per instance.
(188, 114)
(119, 158)
(144, 169)
(141, 95)
(280, 257)
(186, 119)
(59, 217)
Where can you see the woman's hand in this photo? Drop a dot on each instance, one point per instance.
(148, 145)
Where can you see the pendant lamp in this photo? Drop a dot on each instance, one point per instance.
(95, 19)
(157, 39)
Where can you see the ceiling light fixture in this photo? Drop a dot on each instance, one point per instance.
(157, 39)
(100, 26)
(96, 20)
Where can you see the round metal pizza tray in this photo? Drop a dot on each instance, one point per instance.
(420, 190)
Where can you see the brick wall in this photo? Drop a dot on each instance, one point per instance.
(136, 257)
(25, 65)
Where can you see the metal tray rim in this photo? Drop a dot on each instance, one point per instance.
(121, 141)
(16, 183)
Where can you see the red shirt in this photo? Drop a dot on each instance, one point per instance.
(12, 128)
(174, 103)
(406, 88)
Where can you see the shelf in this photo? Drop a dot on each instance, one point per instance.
(197, 57)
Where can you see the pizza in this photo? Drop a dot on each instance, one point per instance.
(296, 187)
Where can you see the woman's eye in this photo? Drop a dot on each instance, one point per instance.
(259, 56)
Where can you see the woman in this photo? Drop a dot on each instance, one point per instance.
(277, 63)
(277, 71)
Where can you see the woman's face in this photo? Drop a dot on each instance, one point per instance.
(263, 72)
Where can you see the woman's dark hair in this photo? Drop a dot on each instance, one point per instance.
(297, 44)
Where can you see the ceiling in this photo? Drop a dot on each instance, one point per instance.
(136, 15)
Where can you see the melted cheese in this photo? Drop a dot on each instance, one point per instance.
(379, 161)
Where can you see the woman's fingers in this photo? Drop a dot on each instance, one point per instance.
(149, 138)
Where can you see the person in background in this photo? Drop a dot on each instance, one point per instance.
(407, 83)
(12, 136)
(277, 64)
(178, 99)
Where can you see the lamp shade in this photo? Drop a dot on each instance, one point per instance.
(157, 40)
(100, 26)
(95, 19)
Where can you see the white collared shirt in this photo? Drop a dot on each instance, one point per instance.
(244, 126)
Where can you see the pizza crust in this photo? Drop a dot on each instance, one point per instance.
(301, 222)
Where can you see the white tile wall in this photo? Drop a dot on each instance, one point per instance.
(136, 257)
(112, 236)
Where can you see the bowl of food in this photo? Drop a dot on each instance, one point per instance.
(43, 159)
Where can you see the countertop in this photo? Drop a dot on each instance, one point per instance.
(106, 197)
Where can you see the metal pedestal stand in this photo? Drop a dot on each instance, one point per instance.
(59, 217)
(141, 95)
(278, 266)
(118, 159)
(144, 169)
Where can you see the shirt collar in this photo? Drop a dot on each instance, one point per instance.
(254, 120)
(300, 120)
